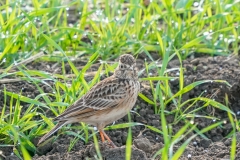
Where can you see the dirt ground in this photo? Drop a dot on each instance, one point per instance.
(145, 142)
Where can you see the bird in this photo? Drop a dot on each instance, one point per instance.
(106, 102)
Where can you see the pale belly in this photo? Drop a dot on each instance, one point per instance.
(100, 121)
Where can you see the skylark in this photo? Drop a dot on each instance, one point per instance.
(107, 101)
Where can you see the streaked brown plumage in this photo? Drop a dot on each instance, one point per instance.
(108, 101)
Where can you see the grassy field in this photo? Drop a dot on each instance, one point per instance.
(54, 31)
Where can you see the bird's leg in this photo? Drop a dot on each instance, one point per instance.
(102, 136)
(109, 140)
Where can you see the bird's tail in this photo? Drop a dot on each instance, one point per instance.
(56, 128)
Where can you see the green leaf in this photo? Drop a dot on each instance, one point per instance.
(181, 4)
(191, 86)
(25, 99)
(159, 78)
(53, 43)
(123, 125)
(145, 98)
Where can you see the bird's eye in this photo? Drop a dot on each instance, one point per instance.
(121, 66)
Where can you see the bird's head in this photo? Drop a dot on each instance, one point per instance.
(126, 68)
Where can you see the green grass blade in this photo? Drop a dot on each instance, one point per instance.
(97, 146)
(129, 141)
(145, 98)
(53, 43)
(191, 86)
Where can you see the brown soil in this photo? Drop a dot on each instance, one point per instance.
(145, 142)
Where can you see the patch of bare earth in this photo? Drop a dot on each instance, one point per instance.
(146, 142)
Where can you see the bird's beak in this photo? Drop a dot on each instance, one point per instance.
(131, 68)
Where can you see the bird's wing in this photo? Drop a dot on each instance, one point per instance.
(105, 94)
